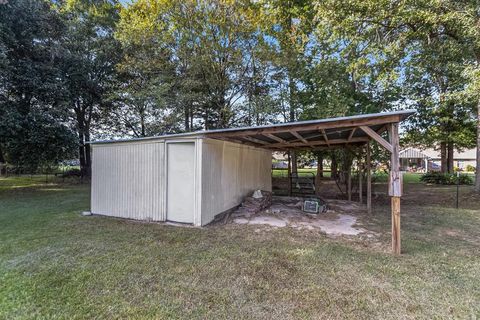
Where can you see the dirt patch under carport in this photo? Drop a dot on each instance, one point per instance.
(341, 218)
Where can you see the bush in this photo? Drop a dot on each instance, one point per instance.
(470, 168)
(380, 177)
(445, 178)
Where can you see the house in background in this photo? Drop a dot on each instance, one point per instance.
(417, 160)
(413, 160)
(460, 159)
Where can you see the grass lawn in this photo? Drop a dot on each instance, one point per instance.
(408, 177)
(54, 263)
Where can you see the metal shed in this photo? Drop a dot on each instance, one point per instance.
(183, 178)
(192, 177)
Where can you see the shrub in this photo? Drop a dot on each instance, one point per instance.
(380, 177)
(445, 178)
(470, 168)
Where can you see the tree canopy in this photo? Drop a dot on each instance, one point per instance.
(74, 70)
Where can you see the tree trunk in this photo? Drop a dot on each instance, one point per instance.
(450, 157)
(334, 167)
(187, 120)
(2, 159)
(443, 157)
(88, 156)
(81, 151)
(319, 173)
(320, 165)
(293, 157)
(477, 171)
(191, 118)
(142, 124)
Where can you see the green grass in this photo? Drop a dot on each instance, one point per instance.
(56, 264)
(408, 177)
(301, 172)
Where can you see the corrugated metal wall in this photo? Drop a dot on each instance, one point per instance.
(230, 171)
(128, 180)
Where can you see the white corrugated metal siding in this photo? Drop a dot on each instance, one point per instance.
(230, 171)
(128, 180)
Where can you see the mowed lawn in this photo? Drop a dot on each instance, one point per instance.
(57, 264)
(408, 177)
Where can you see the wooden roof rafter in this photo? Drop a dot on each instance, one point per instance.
(325, 124)
(306, 142)
(325, 137)
(314, 134)
(350, 136)
(274, 137)
(329, 143)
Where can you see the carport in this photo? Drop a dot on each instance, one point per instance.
(193, 177)
(344, 132)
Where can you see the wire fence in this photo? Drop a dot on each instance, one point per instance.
(62, 172)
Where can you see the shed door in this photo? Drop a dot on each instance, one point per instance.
(180, 181)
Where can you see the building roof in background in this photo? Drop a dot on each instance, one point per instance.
(469, 154)
(429, 153)
(410, 153)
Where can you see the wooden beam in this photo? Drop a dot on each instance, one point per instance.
(360, 182)
(337, 124)
(320, 143)
(325, 137)
(383, 129)
(351, 134)
(395, 183)
(289, 173)
(369, 180)
(395, 187)
(396, 238)
(298, 136)
(316, 135)
(274, 137)
(240, 142)
(251, 139)
(375, 136)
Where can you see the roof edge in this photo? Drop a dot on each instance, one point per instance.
(402, 113)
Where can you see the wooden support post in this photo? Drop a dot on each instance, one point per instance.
(369, 181)
(396, 245)
(395, 187)
(319, 173)
(289, 173)
(360, 182)
(349, 183)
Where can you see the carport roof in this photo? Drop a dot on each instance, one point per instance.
(312, 134)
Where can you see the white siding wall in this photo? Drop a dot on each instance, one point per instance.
(128, 180)
(230, 171)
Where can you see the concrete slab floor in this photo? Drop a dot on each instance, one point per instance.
(339, 220)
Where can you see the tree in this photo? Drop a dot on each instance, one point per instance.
(434, 76)
(400, 29)
(200, 57)
(33, 131)
(39, 142)
(89, 56)
(288, 25)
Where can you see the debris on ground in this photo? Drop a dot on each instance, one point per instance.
(255, 203)
(338, 220)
